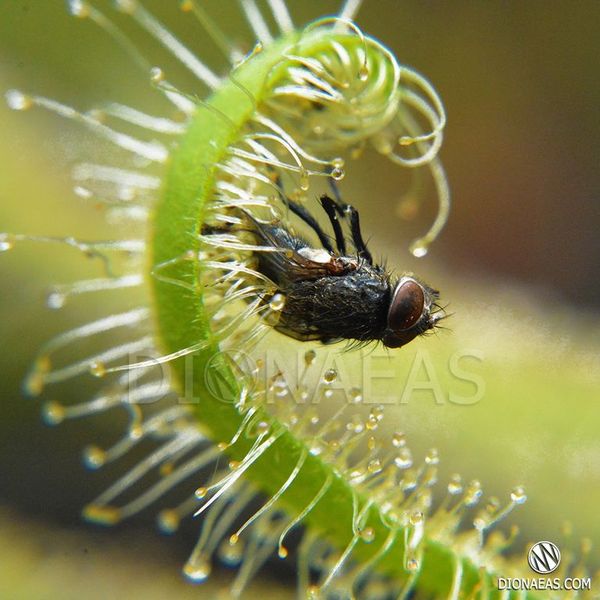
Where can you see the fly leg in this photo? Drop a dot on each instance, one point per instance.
(304, 215)
(351, 213)
(332, 210)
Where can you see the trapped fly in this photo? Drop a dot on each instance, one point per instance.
(334, 294)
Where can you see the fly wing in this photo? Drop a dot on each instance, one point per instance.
(286, 258)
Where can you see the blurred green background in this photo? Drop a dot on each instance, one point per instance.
(518, 264)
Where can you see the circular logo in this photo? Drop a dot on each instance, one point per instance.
(544, 557)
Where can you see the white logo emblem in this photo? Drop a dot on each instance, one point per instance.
(544, 557)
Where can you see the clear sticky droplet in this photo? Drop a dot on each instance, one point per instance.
(200, 492)
(383, 144)
(97, 114)
(168, 521)
(262, 428)
(316, 449)
(398, 440)
(309, 357)
(518, 495)
(403, 460)
(56, 300)
(279, 382)
(432, 457)
(455, 485)
(416, 518)
(198, 571)
(126, 193)
(53, 413)
(408, 207)
(355, 395)
(156, 75)
(304, 180)
(367, 535)
(377, 412)
(410, 480)
(17, 100)
(419, 249)
(479, 523)
(136, 431)
(338, 173)
(372, 423)
(98, 369)
(231, 555)
(277, 302)
(102, 515)
(282, 552)
(473, 493)
(355, 425)
(363, 72)
(82, 192)
(34, 384)
(7, 242)
(313, 592)
(374, 466)
(329, 376)
(412, 565)
(126, 6)
(94, 457)
(78, 8)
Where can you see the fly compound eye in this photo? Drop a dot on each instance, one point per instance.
(406, 311)
(407, 306)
